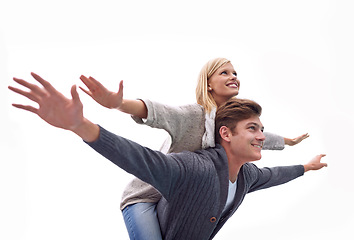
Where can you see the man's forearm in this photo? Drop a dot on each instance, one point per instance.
(88, 131)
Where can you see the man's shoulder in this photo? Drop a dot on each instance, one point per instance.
(250, 171)
(213, 152)
(212, 155)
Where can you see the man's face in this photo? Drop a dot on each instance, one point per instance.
(247, 140)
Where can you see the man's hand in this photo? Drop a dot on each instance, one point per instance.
(315, 163)
(56, 109)
(101, 94)
(294, 141)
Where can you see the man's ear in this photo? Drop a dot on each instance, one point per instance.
(225, 133)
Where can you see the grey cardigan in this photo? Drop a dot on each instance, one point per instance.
(186, 126)
(194, 185)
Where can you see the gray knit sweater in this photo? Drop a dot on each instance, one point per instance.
(194, 185)
(186, 126)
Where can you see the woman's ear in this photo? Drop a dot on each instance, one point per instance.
(225, 133)
(209, 88)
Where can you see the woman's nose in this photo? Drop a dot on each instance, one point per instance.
(233, 77)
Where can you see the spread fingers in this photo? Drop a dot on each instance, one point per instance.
(29, 95)
(26, 107)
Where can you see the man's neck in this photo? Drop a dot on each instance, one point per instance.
(235, 162)
(234, 169)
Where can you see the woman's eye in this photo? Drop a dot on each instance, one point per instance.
(224, 72)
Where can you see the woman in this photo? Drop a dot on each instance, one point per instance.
(191, 127)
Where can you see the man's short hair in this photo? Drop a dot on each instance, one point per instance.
(234, 111)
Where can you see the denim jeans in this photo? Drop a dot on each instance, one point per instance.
(141, 221)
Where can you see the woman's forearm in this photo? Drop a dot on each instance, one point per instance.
(136, 108)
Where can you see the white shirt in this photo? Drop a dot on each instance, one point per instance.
(231, 195)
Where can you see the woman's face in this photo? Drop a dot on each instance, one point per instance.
(223, 84)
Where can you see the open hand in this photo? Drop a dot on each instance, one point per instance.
(54, 107)
(101, 94)
(294, 141)
(315, 163)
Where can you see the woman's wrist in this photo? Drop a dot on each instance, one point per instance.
(287, 141)
(133, 107)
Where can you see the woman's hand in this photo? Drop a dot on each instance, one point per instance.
(294, 141)
(101, 94)
(113, 99)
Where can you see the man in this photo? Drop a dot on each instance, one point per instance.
(201, 190)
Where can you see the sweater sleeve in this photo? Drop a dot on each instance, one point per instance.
(176, 120)
(273, 142)
(269, 177)
(160, 170)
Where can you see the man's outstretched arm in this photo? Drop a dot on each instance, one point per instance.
(153, 167)
(269, 177)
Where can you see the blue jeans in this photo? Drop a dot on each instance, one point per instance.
(141, 221)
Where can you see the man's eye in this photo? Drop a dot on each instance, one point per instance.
(252, 128)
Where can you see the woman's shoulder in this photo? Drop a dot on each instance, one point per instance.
(190, 106)
(193, 107)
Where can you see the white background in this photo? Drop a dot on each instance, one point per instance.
(293, 57)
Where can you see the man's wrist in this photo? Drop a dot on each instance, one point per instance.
(307, 167)
(88, 131)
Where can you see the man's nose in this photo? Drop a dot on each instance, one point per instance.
(260, 136)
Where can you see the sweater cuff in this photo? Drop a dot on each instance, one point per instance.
(98, 142)
(301, 170)
(148, 120)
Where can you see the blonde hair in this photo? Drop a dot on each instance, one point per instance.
(204, 97)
